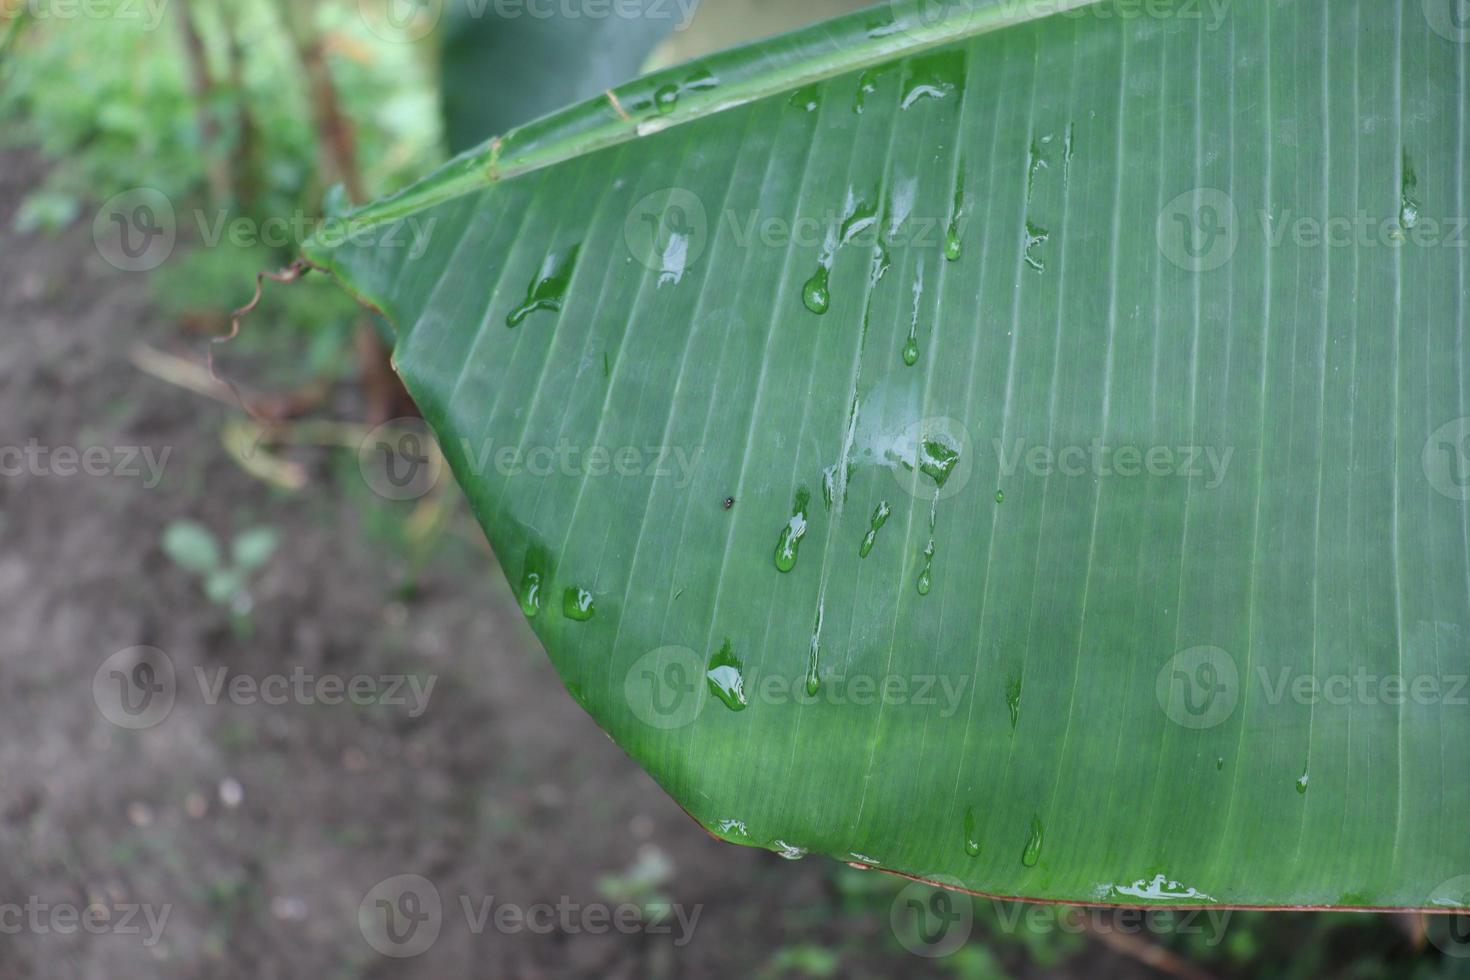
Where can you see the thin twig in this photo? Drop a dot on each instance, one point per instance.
(178, 371)
(291, 273)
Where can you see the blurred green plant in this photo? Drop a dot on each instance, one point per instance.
(642, 884)
(802, 959)
(132, 112)
(224, 577)
(250, 117)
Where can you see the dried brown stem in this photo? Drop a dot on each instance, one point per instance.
(290, 273)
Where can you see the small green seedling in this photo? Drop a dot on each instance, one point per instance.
(194, 547)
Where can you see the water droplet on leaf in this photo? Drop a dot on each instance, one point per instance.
(937, 459)
(867, 85)
(813, 679)
(726, 679)
(934, 76)
(531, 593)
(1409, 205)
(806, 99)
(578, 604)
(972, 839)
(953, 247)
(1032, 852)
(1036, 236)
(793, 532)
(815, 293)
(548, 288)
(926, 577)
(1013, 700)
(880, 517)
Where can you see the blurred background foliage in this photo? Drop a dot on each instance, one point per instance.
(262, 109)
(133, 112)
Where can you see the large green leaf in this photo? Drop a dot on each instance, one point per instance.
(1165, 458)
